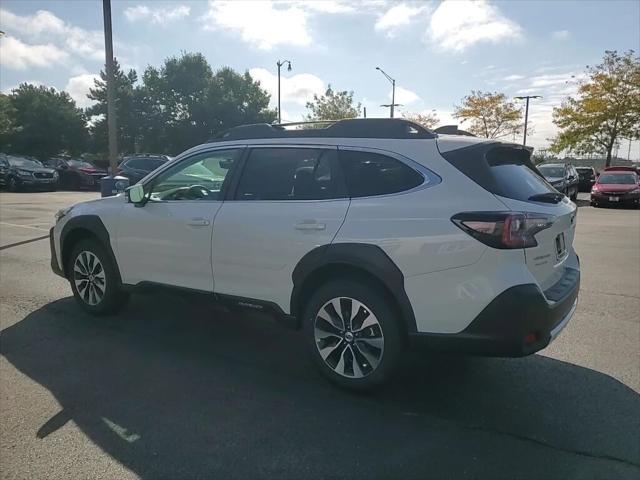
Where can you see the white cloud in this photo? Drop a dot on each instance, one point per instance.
(397, 16)
(297, 89)
(264, 24)
(511, 78)
(156, 15)
(405, 96)
(270, 23)
(560, 34)
(18, 55)
(326, 6)
(78, 88)
(44, 26)
(457, 25)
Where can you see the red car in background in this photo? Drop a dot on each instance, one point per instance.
(616, 187)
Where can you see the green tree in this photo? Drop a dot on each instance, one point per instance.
(333, 106)
(7, 122)
(183, 103)
(428, 119)
(127, 110)
(47, 122)
(605, 109)
(491, 114)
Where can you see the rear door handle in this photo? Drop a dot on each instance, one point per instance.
(198, 222)
(310, 226)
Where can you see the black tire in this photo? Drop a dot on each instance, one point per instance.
(376, 301)
(574, 197)
(13, 185)
(113, 297)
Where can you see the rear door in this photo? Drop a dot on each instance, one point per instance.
(287, 201)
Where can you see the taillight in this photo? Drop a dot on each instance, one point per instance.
(504, 229)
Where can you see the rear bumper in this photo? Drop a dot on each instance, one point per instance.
(624, 199)
(520, 321)
(54, 258)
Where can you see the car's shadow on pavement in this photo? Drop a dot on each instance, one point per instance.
(172, 388)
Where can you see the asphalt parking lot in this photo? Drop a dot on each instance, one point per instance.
(173, 388)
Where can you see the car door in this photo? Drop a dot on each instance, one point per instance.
(168, 240)
(287, 201)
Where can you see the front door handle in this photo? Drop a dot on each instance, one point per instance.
(310, 226)
(198, 222)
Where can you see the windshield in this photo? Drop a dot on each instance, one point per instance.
(79, 164)
(24, 162)
(549, 172)
(619, 179)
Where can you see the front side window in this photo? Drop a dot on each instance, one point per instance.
(368, 174)
(200, 177)
(290, 174)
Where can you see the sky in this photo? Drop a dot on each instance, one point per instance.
(438, 51)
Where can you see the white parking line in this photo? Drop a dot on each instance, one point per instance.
(24, 226)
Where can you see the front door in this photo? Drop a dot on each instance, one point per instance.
(288, 201)
(168, 240)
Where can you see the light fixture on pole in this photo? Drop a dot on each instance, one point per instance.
(393, 92)
(526, 114)
(280, 63)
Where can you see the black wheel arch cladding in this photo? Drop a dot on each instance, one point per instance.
(367, 258)
(81, 225)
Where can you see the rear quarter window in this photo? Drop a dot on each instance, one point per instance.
(369, 174)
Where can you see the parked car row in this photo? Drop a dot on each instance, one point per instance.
(25, 173)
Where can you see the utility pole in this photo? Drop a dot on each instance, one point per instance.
(393, 92)
(629, 151)
(280, 63)
(526, 114)
(111, 106)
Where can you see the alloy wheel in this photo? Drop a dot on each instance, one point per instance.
(349, 337)
(89, 277)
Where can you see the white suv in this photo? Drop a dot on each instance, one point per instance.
(369, 235)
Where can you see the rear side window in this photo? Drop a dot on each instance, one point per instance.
(503, 170)
(368, 174)
(290, 174)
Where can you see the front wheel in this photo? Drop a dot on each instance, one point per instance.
(94, 279)
(353, 333)
(14, 185)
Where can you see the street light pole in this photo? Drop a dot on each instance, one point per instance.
(280, 63)
(111, 107)
(393, 91)
(526, 114)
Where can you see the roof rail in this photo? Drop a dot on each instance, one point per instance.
(348, 128)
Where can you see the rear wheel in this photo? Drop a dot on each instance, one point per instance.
(354, 334)
(94, 279)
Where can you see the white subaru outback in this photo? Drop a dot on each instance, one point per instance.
(369, 235)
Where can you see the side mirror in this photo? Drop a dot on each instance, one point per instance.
(135, 194)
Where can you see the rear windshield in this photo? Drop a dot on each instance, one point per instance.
(503, 170)
(617, 178)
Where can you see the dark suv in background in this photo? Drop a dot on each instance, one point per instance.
(587, 177)
(77, 174)
(136, 167)
(21, 173)
(562, 177)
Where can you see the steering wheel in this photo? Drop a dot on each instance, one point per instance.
(198, 192)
